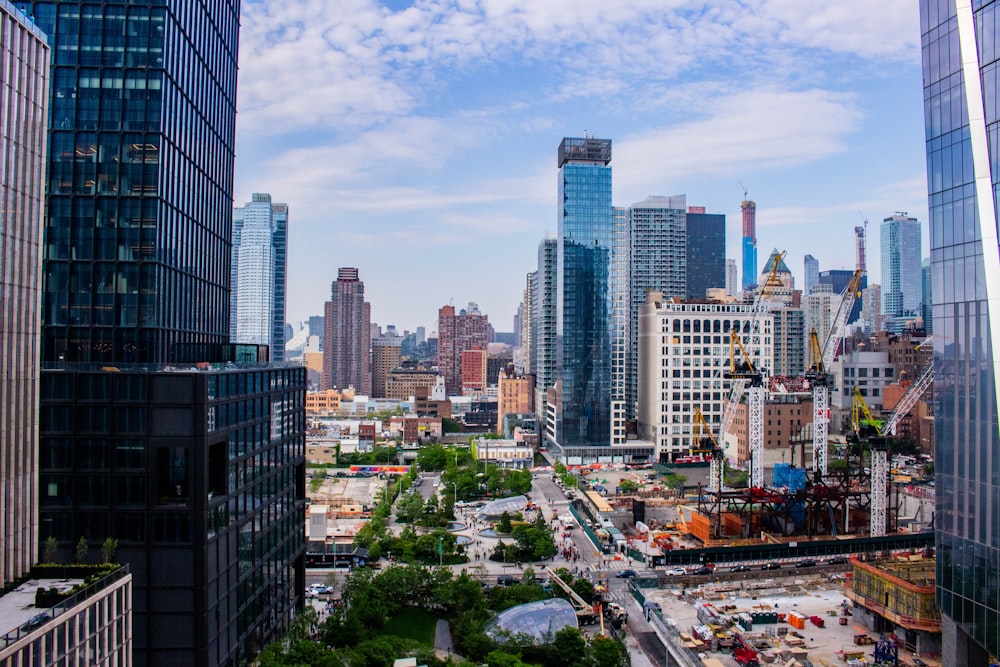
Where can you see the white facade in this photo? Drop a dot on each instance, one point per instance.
(871, 372)
(257, 276)
(820, 308)
(732, 276)
(683, 351)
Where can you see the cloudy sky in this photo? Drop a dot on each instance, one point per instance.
(417, 140)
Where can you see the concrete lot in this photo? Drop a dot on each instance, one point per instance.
(810, 595)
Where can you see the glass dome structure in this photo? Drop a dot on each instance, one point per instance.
(539, 620)
(500, 505)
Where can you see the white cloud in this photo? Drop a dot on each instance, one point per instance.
(754, 130)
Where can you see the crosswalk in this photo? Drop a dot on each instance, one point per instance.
(612, 566)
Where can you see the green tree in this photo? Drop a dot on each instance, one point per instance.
(568, 648)
(432, 457)
(605, 652)
(499, 658)
(108, 549)
(675, 481)
(50, 550)
(504, 525)
(628, 485)
(299, 653)
(584, 589)
(80, 553)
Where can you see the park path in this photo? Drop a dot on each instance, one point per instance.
(442, 637)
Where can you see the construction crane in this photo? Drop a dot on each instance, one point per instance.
(707, 443)
(820, 359)
(741, 371)
(908, 400)
(751, 351)
(868, 429)
(585, 613)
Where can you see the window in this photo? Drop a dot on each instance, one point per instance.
(172, 475)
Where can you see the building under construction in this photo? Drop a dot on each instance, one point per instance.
(895, 596)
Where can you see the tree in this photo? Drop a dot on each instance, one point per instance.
(108, 549)
(504, 525)
(80, 554)
(50, 550)
(675, 481)
(584, 589)
(605, 652)
(628, 485)
(568, 648)
(432, 457)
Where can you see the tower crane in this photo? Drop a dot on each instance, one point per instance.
(912, 394)
(820, 359)
(868, 429)
(752, 350)
(707, 442)
(742, 371)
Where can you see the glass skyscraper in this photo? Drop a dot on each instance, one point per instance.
(901, 283)
(141, 150)
(197, 468)
(706, 253)
(589, 245)
(961, 55)
(260, 242)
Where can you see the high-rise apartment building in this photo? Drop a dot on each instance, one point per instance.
(474, 371)
(706, 252)
(545, 316)
(902, 291)
(24, 78)
(732, 277)
(789, 344)
(861, 254)
(258, 275)
(749, 209)
(465, 330)
(347, 341)
(960, 42)
(386, 356)
(590, 245)
(811, 268)
(871, 319)
(526, 362)
(197, 470)
(838, 280)
(656, 243)
(926, 296)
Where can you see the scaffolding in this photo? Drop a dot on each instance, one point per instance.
(900, 590)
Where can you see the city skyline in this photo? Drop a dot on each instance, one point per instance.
(437, 120)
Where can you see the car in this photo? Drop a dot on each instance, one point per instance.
(625, 574)
(740, 568)
(808, 562)
(771, 566)
(838, 560)
(506, 580)
(675, 572)
(702, 570)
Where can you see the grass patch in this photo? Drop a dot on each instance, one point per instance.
(413, 623)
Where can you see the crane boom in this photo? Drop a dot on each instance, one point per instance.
(909, 399)
(850, 295)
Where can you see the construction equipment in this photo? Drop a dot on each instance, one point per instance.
(616, 613)
(868, 429)
(909, 399)
(742, 371)
(821, 358)
(708, 444)
(745, 654)
(585, 613)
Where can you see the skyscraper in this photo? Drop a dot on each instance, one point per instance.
(706, 252)
(195, 469)
(545, 316)
(347, 339)
(732, 277)
(656, 246)
(24, 76)
(811, 266)
(257, 304)
(861, 259)
(588, 245)
(926, 298)
(465, 330)
(902, 289)
(386, 356)
(959, 53)
(749, 209)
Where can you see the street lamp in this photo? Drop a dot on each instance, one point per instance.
(454, 485)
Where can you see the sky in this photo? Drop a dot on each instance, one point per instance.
(417, 141)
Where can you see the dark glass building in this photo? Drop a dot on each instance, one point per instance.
(195, 467)
(961, 55)
(706, 253)
(838, 280)
(141, 150)
(199, 473)
(589, 242)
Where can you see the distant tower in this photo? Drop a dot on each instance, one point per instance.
(732, 276)
(812, 274)
(347, 340)
(749, 243)
(859, 243)
(901, 278)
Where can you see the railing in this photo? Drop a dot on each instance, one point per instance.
(63, 606)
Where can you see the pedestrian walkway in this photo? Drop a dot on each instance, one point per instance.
(612, 566)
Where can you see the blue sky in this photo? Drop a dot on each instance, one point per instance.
(417, 140)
